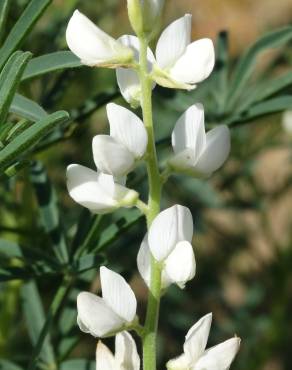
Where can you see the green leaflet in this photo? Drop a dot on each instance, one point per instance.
(27, 108)
(9, 80)
(245, 65)
(4, 5)
(22, 27)
(50, 63)
(48, 210)
(28, 138)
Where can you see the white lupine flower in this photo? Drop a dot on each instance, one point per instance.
(195, 357)
(115, 311)
(128, 79)
(97, 191)
(93, 46)
(116, 154)
(126, 356)
(196, 152)
(178, 268)
(287, 121)
(171, 226)
(180, 62)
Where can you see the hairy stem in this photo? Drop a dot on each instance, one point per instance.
(154, 179)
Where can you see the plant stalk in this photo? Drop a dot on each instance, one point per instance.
(155, 185)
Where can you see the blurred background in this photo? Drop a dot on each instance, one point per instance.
(242, 215)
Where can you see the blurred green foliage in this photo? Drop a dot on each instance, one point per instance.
(51, 248)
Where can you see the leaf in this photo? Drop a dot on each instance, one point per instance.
(48, 210)
(30, 137)
(27, 108)
(245, 65)
(22, 27)
(4, 5)
(50, 63)
(269, 106)
(265, 89)
(35, 318)
(9, 80)
(88, 262)
(77, 364)
(8, 365)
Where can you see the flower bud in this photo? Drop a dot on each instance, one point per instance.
(144, 15)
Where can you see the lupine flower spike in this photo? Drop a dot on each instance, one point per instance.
(195, 357)
(115, 311)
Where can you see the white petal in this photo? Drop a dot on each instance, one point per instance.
(96, 316)
(104, 358)
(127, 78)
(84, 187)
(111, 157)
(197, 337)
(118, 294)
(180, 265)
(189, 131)
(126, 355)
(171, 226)
(173, 41)
(144, 261)
(216, 151)
(196, 64)
(219, 357)
(287, 121)
(127, 129)
(179, 363)
(90, 43)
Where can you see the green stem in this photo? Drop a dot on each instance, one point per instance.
(155, 185)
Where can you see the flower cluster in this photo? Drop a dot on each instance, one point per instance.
(177, 63)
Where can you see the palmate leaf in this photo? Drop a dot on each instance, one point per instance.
(22, 27)
(27, 108)
(50, 63)
(25, 142)
(9, 80)
(246, 63)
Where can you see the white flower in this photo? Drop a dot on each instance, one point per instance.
(180, 62)
(178, 268)
(113, 312)
(171, 226)
(126, 356)
(93, 46)
(287, 121)
(195, 357)
(195, 151)
(97, 191)
(116, 154)
(128, 79)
